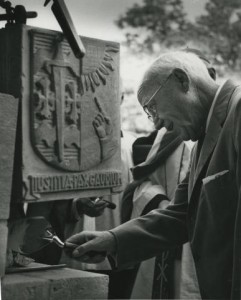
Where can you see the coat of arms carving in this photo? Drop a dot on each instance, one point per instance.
(71, 126)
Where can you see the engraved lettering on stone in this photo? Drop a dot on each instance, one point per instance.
(69, 182)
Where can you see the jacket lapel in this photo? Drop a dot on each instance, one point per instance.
(209, 143)
(217, 120)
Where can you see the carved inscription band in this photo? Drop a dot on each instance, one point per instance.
(57, 183)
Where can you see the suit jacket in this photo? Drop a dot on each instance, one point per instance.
(206, 210)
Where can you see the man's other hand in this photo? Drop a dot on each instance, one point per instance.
(91, 246)
(90, 207)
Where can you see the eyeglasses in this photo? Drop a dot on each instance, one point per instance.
(150, 109)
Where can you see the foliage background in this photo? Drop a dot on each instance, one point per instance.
(155, 26)
(147, 27)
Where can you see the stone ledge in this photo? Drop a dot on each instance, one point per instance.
(60, 284)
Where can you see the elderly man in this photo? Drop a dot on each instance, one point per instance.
(177, 92)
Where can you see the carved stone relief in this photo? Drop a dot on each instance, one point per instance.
(68, 140)
(59, 84)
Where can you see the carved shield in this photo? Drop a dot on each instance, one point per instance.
(60, 85)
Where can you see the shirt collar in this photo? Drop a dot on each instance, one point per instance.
(212, 106)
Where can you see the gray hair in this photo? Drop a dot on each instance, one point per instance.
(163, 66)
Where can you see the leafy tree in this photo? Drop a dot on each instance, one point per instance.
(164, 23)
(154, 22)
(221, 28)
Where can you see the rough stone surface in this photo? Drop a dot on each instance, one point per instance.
(61, 284)
(3, 245)
(21, 287)
(8, 120)
(70, 123)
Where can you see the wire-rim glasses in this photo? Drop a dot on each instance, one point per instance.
(150, 109)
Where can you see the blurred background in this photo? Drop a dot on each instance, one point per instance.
(145, 28)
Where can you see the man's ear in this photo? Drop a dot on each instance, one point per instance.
(212, 73)
(182, 78)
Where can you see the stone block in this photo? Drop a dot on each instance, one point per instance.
(60, 284)
(8, 120)
(3, 245)
(69, 284)
(24, 287)
(70, 121)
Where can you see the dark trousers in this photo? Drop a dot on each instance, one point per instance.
(120, 283)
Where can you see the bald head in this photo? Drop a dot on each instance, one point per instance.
(177, 91)
(164, 65)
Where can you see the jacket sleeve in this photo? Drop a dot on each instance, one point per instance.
(147, 236)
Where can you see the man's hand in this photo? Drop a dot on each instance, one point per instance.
(91, 246)
(90, 207)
